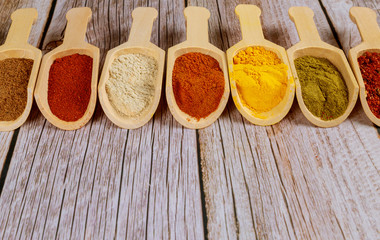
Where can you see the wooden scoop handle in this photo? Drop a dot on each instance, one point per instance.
(365, 19)
(22, 21)
(303, 19)
(77, 20)
(250, 24)
(197, 25)
(141, 30)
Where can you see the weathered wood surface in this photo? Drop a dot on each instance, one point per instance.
(5, 140)
(288, 181)
(291, 180)
(6, 9)
(347, 32)
(102, 180)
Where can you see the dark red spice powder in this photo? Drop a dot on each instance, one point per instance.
(198, 84)
(369, 64)
(69, 86)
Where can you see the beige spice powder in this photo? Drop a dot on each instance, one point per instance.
(130, 86)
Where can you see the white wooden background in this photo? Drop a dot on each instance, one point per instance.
(231, 180)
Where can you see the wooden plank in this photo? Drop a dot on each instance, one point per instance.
(5, 140)
(6, 9)
(290, 180)
(338, 12)
(349, 37)
(103, 181)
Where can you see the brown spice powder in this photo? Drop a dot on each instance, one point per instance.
(14, 79)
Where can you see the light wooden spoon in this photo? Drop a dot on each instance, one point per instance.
(365, 19)
(252, 35)
(16, 46)
(311, 45)
(197, 41)
(138, 42)
(73, 42)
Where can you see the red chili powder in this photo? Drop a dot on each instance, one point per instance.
(69, 86)
(369, 64)
(198, 84)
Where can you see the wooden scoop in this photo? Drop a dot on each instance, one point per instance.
(16, 46)
(311, 45)
(252, 35)
(197, 41)
(74, 42)
(138, 42)
(365, 19)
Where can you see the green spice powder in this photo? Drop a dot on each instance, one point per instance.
(323, 89)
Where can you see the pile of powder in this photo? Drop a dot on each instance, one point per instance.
(14, 79)
(198, 84)
(69, 86)
(324, 91)
(130, 86)
(261, 79)
(369, 64)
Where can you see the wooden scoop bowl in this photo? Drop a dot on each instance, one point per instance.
(16, 46)
(311, 45)
(197, 41)
(138, 42)
(365, 19)
(252, 35)
(73, 42)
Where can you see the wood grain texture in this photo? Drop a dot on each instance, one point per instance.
(6, 9)
(287, 181)
(291, 180)
(5, 140)
(338, 12)
(103, 181)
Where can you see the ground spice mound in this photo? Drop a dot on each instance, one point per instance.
(261, 79)
(14, 79)
(369, 64)
(324, 91)
(198, 84)
(69, 86)
(130, 86)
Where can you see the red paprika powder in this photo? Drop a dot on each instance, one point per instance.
(69, 86)
(369, 64)
(198, 84)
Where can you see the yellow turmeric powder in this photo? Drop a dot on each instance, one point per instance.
(261, 79)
